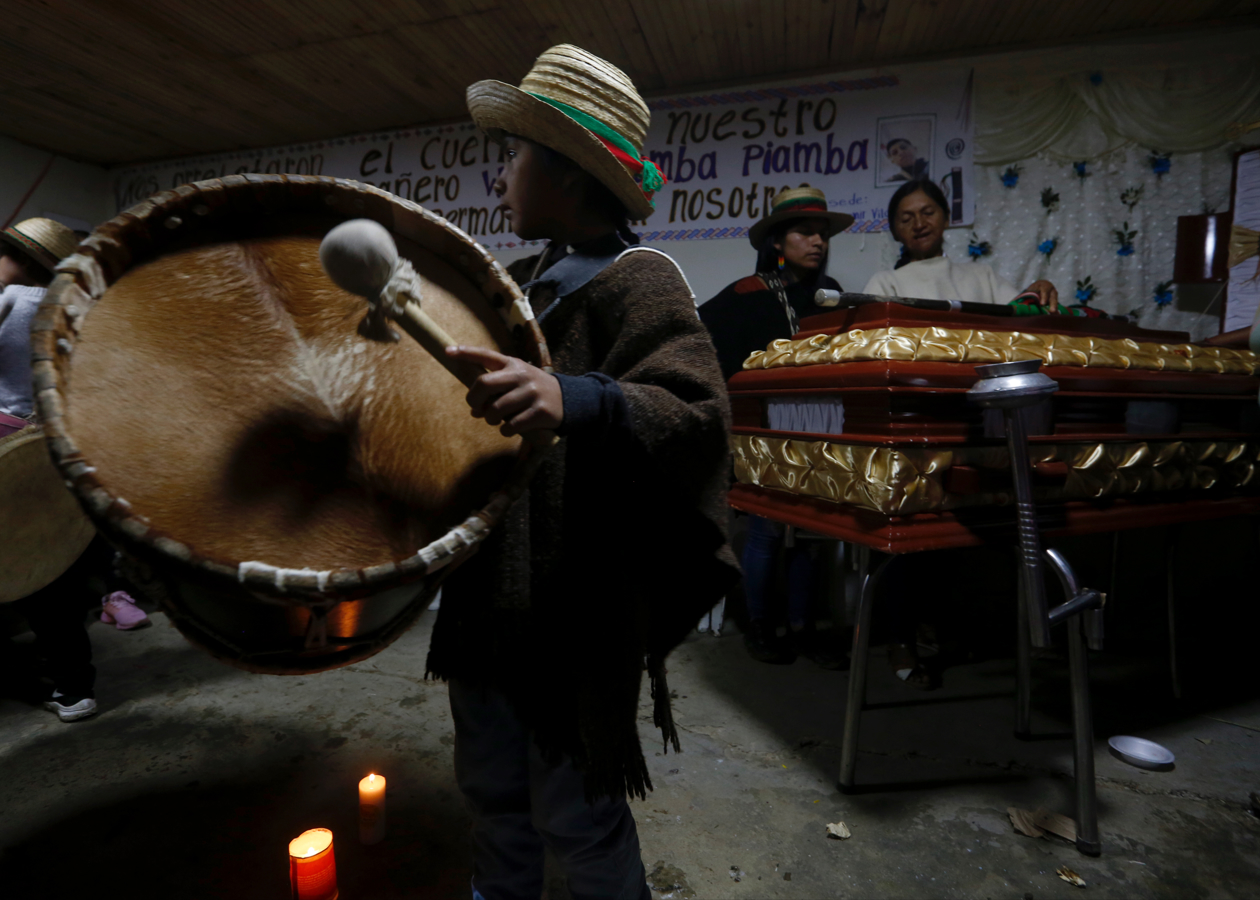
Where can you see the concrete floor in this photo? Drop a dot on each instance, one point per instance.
(194, 776)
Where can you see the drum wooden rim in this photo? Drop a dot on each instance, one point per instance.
(145, 231)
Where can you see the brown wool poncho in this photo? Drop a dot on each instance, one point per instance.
(620, 544)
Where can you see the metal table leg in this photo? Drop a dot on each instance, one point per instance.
(1083, 741)
(1172, 612)
(1115, 570)
(857, 668)
(1023, 664)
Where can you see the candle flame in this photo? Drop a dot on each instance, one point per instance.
(372, 777)
(310, 851)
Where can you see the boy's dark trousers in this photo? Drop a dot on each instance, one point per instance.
(519, 803)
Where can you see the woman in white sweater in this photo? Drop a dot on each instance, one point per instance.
(917, 216)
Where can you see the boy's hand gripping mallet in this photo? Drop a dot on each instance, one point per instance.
(360, 256)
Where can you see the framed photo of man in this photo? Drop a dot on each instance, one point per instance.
(905, 149)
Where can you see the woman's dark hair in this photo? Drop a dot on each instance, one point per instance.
(34, 271)
(768, 255)
(599, 198)
(934, 193)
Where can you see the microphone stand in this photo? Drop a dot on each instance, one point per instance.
(1013, 387)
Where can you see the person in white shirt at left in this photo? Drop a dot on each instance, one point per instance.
(29, 253)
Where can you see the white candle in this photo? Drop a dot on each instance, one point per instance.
(372, 809)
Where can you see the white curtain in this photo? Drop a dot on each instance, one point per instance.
(1013, 222)
(1089, 213)
(1111, 107)
(1087, 102)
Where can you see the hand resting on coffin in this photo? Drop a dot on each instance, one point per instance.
(512, 394)
(1047, 294)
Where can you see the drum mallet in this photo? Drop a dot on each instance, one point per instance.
(360, 256)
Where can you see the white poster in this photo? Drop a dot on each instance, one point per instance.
(1243, 297)
(725, 156)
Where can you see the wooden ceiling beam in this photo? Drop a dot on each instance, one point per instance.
(163, 76)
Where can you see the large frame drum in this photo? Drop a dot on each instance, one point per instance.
(291, 492)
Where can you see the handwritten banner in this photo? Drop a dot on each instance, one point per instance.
(725, 154)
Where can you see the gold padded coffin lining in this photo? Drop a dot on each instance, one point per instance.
(899, 481)
(977, 347)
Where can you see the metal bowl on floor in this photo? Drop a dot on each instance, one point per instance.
(1140, 752)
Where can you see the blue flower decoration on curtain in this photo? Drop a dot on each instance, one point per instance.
(1010, 177)
(1079, 168)
(1095, 78)
(1160, 163)
(1124, 237)
(1085, 290)
(1163, 293)
(1047, 246)
(978, 248)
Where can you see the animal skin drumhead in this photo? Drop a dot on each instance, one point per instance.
(224, 392)
(44, 529)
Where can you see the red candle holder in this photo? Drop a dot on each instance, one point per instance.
(312, 866)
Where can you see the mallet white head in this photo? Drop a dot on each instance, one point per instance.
(359, 256)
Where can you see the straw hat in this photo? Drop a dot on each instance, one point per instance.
(798, 203)
(43, 240)
(584, 107)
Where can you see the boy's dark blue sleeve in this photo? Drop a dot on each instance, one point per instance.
(594, 407)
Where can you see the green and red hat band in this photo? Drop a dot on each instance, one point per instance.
(37, 250)
(644, 170)
(802, 204)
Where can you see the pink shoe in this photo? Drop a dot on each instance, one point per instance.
(121, 612)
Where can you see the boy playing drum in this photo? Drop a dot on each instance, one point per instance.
(619, 546)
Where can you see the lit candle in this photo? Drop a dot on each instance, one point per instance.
(372, 809)
(312, 867)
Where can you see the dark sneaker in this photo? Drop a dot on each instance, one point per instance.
(823, 648)
(764, 645)
(69, 708)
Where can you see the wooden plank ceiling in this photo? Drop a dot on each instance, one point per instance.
(113, 81)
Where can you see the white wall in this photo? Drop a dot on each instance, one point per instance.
(74, 193)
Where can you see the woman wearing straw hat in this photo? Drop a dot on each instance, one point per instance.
(620, 545)
(917, 217)
(29, 252)
(791, 245)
